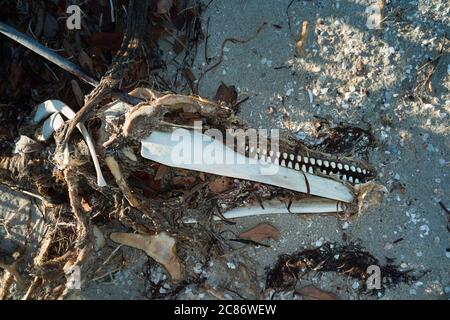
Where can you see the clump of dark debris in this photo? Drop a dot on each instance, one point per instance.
(349, 259)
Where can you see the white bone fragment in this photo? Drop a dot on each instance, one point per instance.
(310, 205)
(51, 124)
(54, 106)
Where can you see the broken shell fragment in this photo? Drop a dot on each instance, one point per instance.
(26, 145)
(99, 238)
(161, 247)
(302, 38)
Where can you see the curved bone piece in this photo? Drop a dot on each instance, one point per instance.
(46, 108)
(52, 107)
(164, 148)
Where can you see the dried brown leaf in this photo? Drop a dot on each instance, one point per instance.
(312, 293)
(183, 182)
(86, 62)
(161, 172)
(260, 232)
(221, 184)
(227, 94)
(79, 96)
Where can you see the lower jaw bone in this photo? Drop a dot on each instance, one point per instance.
(310, 205)
(163, 148)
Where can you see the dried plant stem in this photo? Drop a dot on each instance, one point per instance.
(120, 180)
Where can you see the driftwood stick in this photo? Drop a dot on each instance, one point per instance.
(46, 53)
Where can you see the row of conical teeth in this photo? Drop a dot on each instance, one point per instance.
(306, 164)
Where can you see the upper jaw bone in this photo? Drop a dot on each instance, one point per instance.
(161, 147)
(53, 108)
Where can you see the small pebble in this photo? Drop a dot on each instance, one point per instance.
(319, 242)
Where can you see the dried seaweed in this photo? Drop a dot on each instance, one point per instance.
(351, 260)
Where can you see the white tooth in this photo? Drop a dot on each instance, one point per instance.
(269, 160)
(364, 171)
(344, 177)
(333, 165)
(310, 170)
(326, 163)
(319, 162)
(285, 155)
(346, 167)
(350, 178)
(264, 151)
(356, 180)
(297, 167)
(358, 169)
(278, 154)
(256, 156)
(290, 164)
(246, 148)
(313, 161)
(252, 150)
(324, 171)
(303, 168)
(283, 163)
(353, 168)
(292, 157)
(305, 159)
(271, 153)
(299, 158)
(339, 165)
